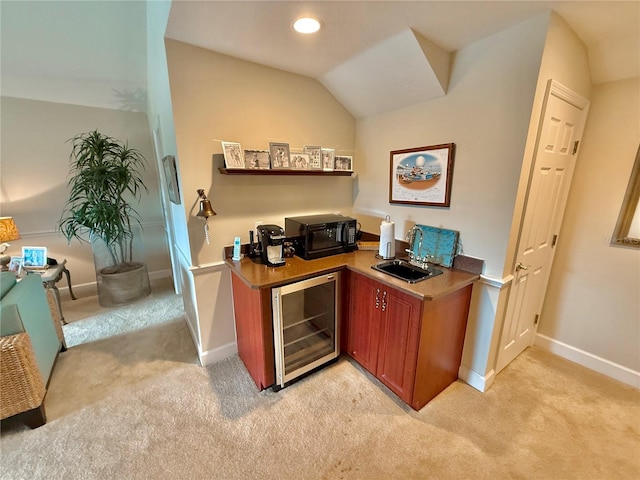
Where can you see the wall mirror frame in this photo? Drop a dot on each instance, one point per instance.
(626, 233)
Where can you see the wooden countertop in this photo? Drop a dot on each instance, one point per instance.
(258, 275)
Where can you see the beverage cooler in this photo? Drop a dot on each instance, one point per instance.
(305, 326)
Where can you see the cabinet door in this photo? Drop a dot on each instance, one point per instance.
(252, 312)
(364, 321)
(399, 338)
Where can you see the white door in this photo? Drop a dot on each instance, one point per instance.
(563, 118)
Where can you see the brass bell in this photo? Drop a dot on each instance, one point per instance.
(205, 206)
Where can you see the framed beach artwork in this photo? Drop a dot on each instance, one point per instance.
(422, 175)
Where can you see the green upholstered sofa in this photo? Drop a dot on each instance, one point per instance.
(29, 345)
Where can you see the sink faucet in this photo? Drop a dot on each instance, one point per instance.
(419, 259)
(411, 237)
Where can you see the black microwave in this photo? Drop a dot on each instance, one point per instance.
(315, 236)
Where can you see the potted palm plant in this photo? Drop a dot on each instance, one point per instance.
(105, 175)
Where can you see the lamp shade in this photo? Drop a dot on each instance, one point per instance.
(8, 229)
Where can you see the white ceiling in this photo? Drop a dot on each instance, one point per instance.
(78, 52)
(93, 52)
(358, 36)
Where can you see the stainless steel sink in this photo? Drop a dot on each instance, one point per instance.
(406, 271)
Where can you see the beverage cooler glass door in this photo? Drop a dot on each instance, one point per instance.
(305, 326)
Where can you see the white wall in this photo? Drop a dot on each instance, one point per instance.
(486, 114)
(565, 60)
(79, 53)
(35, 164)
(160, 114)
(215, 97)
(47, 99)
(162, 125)
(592, 309)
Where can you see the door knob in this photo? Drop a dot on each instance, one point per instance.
(521, 266)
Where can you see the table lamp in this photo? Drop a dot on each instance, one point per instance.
(8, 231)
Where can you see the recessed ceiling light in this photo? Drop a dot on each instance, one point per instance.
(306, 25)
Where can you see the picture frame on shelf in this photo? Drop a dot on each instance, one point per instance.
(300, 161)
(343, 163)
(233, 157)
(171, 177)
(34, 257)
(256, 160)
(280, 157)
(422, 175)
(315, 156)
(328, 159)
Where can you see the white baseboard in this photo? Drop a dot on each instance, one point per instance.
(217, 354)
(474, 379)
(80, 290)
(159, 274)
(212, 356)
(588, 360)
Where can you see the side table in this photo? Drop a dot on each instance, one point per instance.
(52, 275)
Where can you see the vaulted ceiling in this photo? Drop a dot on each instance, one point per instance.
(93, 53)
(379, 55)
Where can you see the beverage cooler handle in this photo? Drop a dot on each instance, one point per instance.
(278, 340)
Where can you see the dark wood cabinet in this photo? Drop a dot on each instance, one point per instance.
(254, 333)
(398, 343)
(408, 337)
(365, 320)
(413, 346)
(254, 329)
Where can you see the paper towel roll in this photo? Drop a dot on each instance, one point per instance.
(387, 239)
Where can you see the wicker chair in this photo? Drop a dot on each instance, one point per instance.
(30, 339)
(21, 387)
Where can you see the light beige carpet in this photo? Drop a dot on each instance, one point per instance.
(88, 321)
(138, 406)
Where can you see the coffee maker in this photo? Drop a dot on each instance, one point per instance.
(271, 245)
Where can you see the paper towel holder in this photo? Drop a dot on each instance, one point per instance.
(387, 249)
